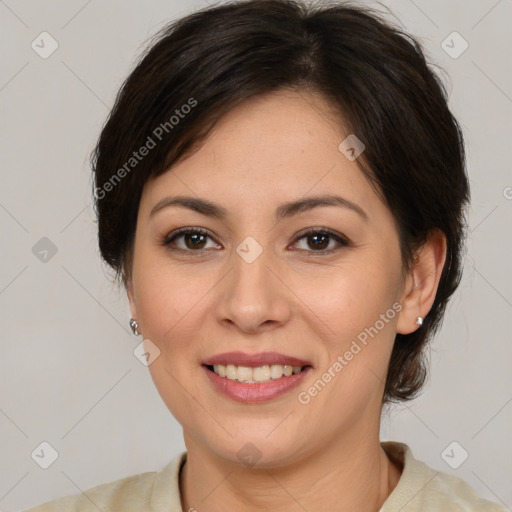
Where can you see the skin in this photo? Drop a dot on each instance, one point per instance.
(324, 455)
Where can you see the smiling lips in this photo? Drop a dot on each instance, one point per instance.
(249, 375)
(250, 369)
(255, 378)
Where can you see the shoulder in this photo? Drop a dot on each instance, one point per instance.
(121, 494)
(423, 488)
(145, 491)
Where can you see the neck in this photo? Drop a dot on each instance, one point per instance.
(346, 474)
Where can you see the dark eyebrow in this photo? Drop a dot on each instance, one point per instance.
(201, 206)
(295, 207)
(286, 210)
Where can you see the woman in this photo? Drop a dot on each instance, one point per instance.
(281, 190)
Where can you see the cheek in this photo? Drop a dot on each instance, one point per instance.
(347, 298)
(168, 299)
(356, 303)
(166, 294)
(358, 310)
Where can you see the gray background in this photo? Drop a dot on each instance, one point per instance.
(68, 375)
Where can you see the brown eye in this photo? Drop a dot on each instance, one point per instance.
(193, 240)
(320, 241)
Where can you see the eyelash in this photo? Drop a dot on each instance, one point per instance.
(167, 240)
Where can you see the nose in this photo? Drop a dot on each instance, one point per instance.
(253, 296)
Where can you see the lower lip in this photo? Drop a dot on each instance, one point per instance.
(263, 392)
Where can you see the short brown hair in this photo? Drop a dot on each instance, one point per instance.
(370, 71)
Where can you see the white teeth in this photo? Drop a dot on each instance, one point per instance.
(259, 374)
(230, 371)
(276, 371)
(243, 373)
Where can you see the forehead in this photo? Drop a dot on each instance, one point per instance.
(269, 149)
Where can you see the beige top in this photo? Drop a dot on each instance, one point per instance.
(420, 488)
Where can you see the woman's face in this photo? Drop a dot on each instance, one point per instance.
(252, 285)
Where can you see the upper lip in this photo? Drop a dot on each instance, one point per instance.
(255, 360)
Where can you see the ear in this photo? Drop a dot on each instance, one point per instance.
(421, 284)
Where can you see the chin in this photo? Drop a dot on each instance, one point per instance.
(257, 448)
